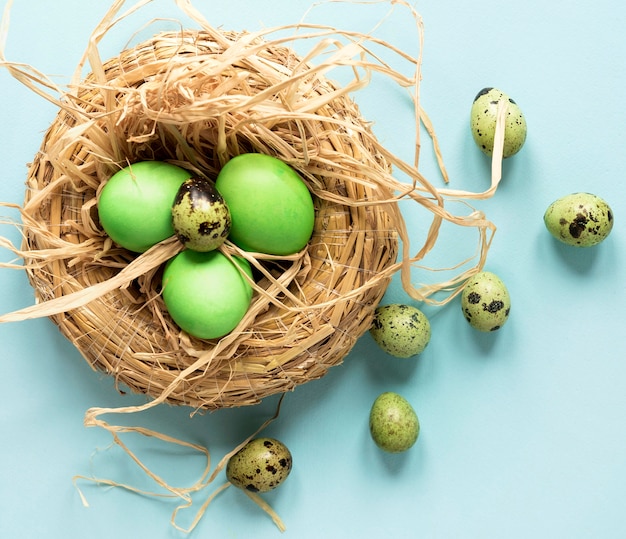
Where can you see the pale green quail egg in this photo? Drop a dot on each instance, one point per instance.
(483, 122)
(579, 219)
(200, 217)
(400, 330)
(260, 466)
(393, 423)
(485, 302)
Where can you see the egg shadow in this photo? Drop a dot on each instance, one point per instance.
(485, 341)
(579, 259)
(384, 366)
(394, 463)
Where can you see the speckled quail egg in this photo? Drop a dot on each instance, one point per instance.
(483, 122)
(200, 217)
(579, 219)
(260, 466)
(485, 301)
(393, 423)
(400, 330)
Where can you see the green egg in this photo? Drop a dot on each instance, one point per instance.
(260, 466)
(135, 204)
(205, 293)
(579, 219)
(400, 330)
(271, 208)
(483, 118)
(485, 301)
(394, 425)
(200, 216)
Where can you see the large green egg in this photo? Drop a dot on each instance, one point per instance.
(271, 208)
(205, 293)
(135, 204)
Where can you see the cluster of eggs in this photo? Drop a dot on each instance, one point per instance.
(578, 219)
(261, 204)
(257, 202)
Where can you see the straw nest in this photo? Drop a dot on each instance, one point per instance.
(196, 99)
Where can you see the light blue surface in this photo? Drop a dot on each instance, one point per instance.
(522, 431)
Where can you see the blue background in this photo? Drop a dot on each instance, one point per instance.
(522, 431)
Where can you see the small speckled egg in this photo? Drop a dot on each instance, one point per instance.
(485, 302)
(579, 219)
(205, 293)
(400, 330)
(483, 122)
(260, 466)
(135, 204)
(200, 216)
(393, 423)
(271, 207)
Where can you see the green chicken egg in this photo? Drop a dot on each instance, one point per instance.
(200, 216)
(135, 204)
(271, 208)
(260, 466)
(483, 118)
(394, 425)
(579, 219)
(400, 330)
(485, 302)
(205, 293)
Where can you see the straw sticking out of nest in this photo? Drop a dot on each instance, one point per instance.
(196, 98)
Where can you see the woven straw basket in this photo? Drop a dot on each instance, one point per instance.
(196, 99)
